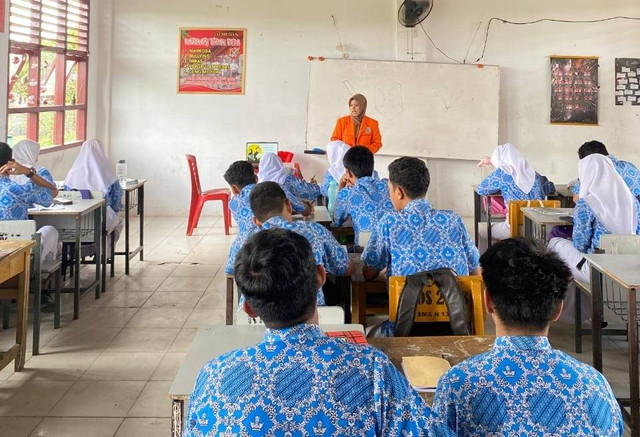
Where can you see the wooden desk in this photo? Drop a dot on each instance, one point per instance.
(208, 344)
(133, 199)
(479, 213)
(536, 223)
(615, 280)
(82, 221)
(15, 261)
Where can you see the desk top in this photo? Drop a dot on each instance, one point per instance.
(11, 247)
(320, 215)
(78, 207)
(544, 219)
(135, 186)
(210, 343)
(624, 269)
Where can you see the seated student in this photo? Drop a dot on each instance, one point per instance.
(605, 206)
(16, 198)
(335, 154)
(361, 197)
(298, 381)
(272, 169)
(92, 171)
(416, 237)
(515, 179)
(629, 173)
(523, 386)
(26, 152)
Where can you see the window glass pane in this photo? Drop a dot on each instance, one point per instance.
(48, 75)
(71, 91)
(45, 130)
(22, 89)
(72, 131)
(17, 128)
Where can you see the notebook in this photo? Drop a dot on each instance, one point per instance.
(423, 373)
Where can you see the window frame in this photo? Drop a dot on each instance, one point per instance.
(63, 55)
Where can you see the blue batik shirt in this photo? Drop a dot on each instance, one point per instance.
(523, 387)
(299, 382)
(629, 173)
(328, 178)
(587, 229)
(366, 203)
(16, 199)
(241, 210)
(44, 195)
(420, 238)
(301, 188)
(501, 182)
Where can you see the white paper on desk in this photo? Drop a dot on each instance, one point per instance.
(53, 207)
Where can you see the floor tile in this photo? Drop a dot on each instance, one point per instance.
(78, 340)
(183, 340)
(104, 318)
(124, 366)
(168, 367)
(18, 426)
(160, 318)
(196, 270)
(98, 399)
(144, 428)
(126, 299)
(184, 284)
(174, 299)
(216, 259)
(204, 318)
(146, 268)
(56, 366)
(153, 401)
(212, 300)
(143, 340)
(138, 283)
(30, 398)
(74, 426)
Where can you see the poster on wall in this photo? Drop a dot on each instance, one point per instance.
(212, 61)
(574, 90)
(627, 85)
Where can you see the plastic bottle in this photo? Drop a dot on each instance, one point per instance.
(332, 193)
(121, 171)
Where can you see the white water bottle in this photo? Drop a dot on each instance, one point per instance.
(121, 171)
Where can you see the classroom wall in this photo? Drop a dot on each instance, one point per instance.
(152, 127)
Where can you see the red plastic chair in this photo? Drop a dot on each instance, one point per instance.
(199, 197)
(285, 156)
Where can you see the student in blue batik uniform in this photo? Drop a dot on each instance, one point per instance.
(361, 197)
(272, 169)
(241, 178)
(416, 237)
(523, 386)
(335, 154)
(605, 206)
(20, 188)
(629, 173)
(297, 380)
(515, 179)
(26, 152)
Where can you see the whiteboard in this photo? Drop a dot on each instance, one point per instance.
(423, 109)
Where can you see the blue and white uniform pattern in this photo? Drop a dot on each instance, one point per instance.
(299, 382)
(15, 199)
(587, 229)
(301, 188)
(366, 203)
(523, 387)
(629, 173)
(501, 182)
(240, 207)
(328, 178)
(44, 195)
(420, 238)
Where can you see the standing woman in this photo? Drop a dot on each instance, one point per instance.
(357, 129)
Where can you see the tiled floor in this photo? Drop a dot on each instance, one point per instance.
(109, 373)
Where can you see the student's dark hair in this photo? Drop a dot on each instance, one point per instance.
(5, 153)
(240, 174)
(411, 174)
(359, 161)
(591, 147)
(276, 272)
(526, 282)
(267, 200)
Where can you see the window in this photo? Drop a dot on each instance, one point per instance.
(48, 66)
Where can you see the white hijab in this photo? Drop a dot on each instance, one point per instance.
(335, 154)
(272, 169)
(510, 160)
(606, 193)
(25, 152)
(91, 170)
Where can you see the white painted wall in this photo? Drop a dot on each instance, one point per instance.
(152, 127)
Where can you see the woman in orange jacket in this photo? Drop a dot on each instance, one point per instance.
(357, 128)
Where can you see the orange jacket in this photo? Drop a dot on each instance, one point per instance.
(369, 135)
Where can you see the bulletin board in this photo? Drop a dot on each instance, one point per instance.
(212, 61)
(627, 82)
(574, 90)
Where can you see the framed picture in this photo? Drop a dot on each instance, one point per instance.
(212, 61)
(574, 90)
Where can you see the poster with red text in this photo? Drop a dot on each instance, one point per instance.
(212, 61)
